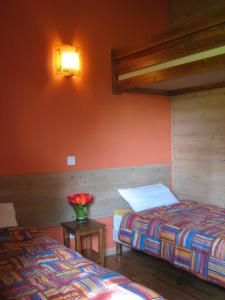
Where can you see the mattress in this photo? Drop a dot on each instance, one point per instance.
(191, 235)
(34, 266)
(117, 219)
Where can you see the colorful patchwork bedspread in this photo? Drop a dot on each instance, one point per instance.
(36, 267)
(189, 234)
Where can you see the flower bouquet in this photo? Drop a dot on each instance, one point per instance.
(79, 203)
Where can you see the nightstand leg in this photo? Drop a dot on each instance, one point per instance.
(101, 247)
(88, 242)
(77, 242)
(66, 237)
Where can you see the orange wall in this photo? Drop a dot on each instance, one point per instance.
(44, 118)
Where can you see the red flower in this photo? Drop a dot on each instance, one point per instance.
(81, 198)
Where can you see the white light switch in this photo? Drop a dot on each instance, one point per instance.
(71, 160)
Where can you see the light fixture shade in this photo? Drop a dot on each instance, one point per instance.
(67, 60)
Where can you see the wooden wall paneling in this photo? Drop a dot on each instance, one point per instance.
(41, 199)
(198, 127)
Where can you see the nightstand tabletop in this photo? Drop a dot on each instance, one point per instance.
(89, 224)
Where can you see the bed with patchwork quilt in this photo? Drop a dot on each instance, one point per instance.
(189, 234)
(34, 266)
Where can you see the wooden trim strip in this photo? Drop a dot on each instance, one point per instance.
(33, 195)
(176, 62)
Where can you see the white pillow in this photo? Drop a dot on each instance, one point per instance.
(7, 215)
(149, 196)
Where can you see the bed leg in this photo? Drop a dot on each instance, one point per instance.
(119, 249)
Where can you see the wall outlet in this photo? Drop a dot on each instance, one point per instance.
(71, 160)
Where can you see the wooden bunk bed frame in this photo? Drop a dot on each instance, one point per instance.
(186, 60)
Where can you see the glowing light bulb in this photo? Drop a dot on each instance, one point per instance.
(67, 61)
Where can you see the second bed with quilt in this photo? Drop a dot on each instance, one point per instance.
(189, 234)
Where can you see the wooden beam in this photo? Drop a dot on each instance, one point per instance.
(178, 91)
(201, 66)
(198, 88)
(149, 91)
(194, 43)
(114, 74)
(165, 37)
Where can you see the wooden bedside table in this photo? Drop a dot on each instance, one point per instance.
(87, 230)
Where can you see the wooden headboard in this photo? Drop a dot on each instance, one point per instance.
(41, 200)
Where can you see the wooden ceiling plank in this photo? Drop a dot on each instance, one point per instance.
(201, 66)
(198, 88)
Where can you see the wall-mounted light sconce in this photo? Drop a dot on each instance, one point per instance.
(67, 60)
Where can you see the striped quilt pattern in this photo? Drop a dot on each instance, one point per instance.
(40, 268)
(191, 235)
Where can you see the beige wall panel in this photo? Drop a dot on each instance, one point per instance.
(41, 200)
(199, 146)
